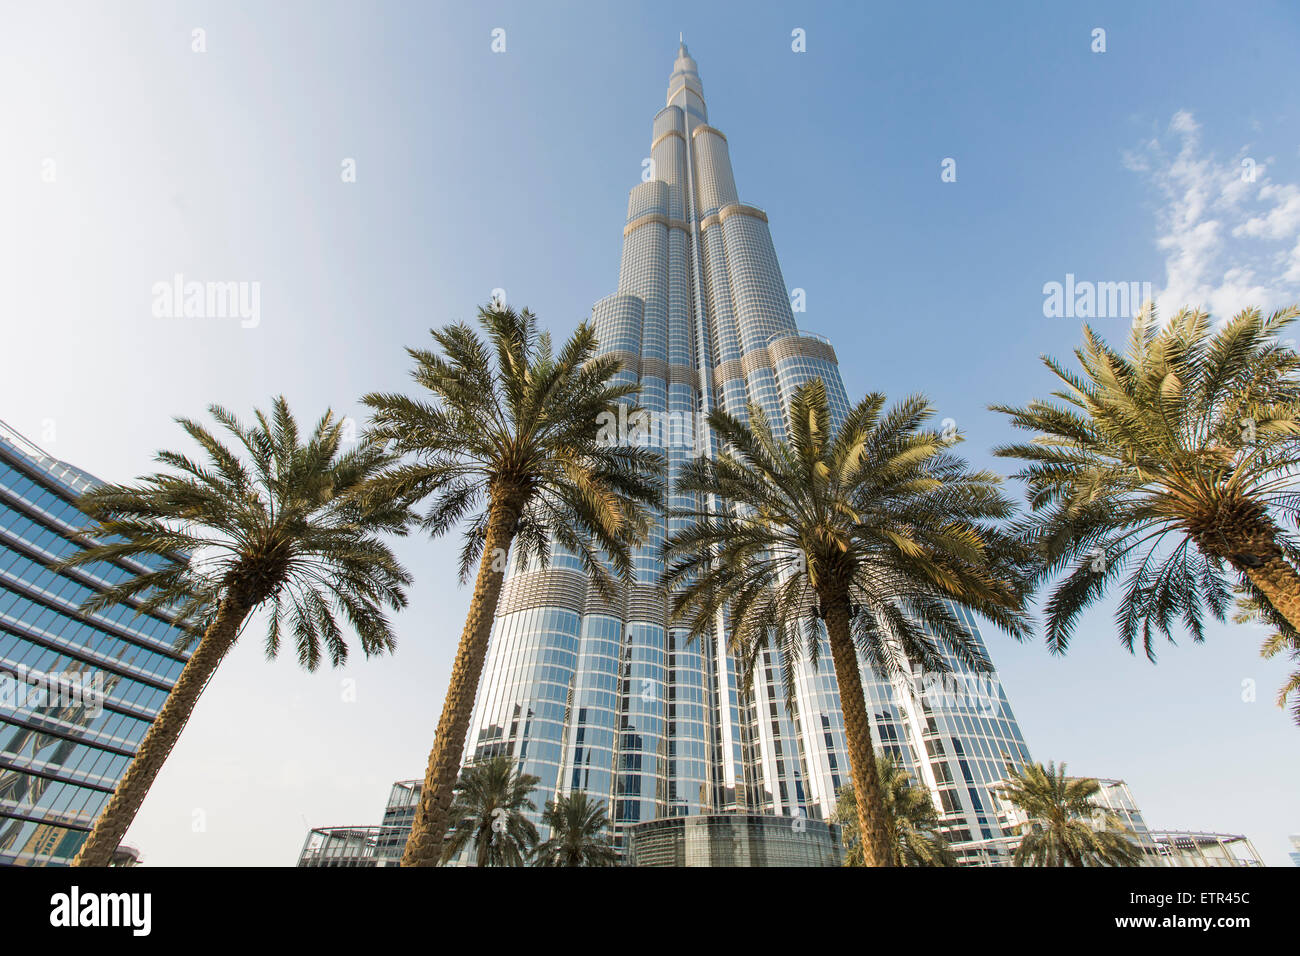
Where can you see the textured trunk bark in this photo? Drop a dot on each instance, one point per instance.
(483, 845)
(1280, 584)
(875, 828)
(162, 735)
(1247, 539)
(429, 828)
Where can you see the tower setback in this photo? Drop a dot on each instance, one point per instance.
(605, 696)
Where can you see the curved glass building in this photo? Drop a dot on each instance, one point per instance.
(603, 695)
(77, 691)
(732, 839)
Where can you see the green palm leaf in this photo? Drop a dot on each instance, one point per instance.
(1062, 825)
(1169, 471)
(858, 542)
(265, 521)
(507, 445)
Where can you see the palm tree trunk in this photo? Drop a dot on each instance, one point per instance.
(429, 828)
(1281, 585)
(874, 826)
(162, 735)
(1249, 544)
(484, 845)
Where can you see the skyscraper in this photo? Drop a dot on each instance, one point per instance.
(77, 691)
(604, 695)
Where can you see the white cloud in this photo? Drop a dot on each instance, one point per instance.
(1231, 239)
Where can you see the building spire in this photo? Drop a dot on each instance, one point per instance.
(685, 76)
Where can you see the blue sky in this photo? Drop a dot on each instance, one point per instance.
(478, 170)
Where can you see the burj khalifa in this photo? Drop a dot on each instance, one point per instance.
(607, 696)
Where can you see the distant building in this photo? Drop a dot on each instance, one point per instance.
(733, 839)
(1159, 848)
(125, 856)
(366, 846)
(77, 691)
(721, 839)
(1179, 848)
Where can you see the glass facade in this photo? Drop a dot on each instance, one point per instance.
(61, 752)
(366, 846)
(1159, 848)
(1182, 848)
(602, 694)
(733, 839)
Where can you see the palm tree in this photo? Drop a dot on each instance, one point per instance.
(1283, 639)
(578, 838)
(488, 813)
(1274, 645)
(511, 440)
(1063, 826)
(226, 536)
(1165, 465)
(917, 840)
(876, 530)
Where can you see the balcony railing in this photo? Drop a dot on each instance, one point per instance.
(354, 846)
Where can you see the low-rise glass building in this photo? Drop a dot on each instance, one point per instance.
(366, 846)
(1159, 848)
(734, 839)
(1183, 848)
(720, 839)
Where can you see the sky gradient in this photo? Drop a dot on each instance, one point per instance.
(131, 158)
